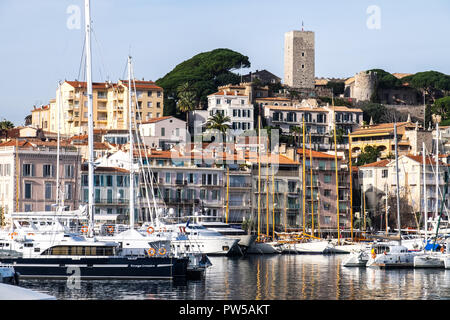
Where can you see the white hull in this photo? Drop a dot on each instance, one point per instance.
(348, 248)
(264, 248)
(428, 261)
(392, 260)
(313, 247)
(9, 292)
(356, 259)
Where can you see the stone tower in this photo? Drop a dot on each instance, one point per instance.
(365, 85)
(299, 59)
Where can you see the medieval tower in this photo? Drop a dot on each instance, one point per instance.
(299, 59)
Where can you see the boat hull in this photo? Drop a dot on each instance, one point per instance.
(263, 248)
(427, 261)
(99, 268)
(391, 261)
(356, 260)
(313, 247)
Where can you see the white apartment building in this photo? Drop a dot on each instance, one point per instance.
(234, 105)
(163, 132)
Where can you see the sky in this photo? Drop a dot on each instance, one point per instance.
(42, 41)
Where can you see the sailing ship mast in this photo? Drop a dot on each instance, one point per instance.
(90, 118)
(228, 190)
(398, 185)
(437, 170)
(303, 175)
(351, 185)
(312, 190)
(273, 205)
(336, 171)
(425, 205)
(259, 175)
(130, 124)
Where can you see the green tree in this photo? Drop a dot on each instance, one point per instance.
(338, 87)
(186, 100)
(204, 72)
(433, 83)
(374, 111)
(6, 125)
(218, 122)
(368, 155)
(442, 107)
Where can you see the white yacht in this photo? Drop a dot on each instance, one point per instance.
(357, 258)
(245, 240)
(308, 247)
(389, 255)
(192, 238)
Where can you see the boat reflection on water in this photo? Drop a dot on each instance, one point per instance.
(270, 277)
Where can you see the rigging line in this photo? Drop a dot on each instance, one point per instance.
(146, 155)
(101, 57)
(82, 56)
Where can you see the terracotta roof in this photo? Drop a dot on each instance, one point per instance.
(228, 93)
(350, 80)
(343, 108)
(140, 84)
(41, 108)
(428, 160)
(380, 128)
(153, 120)
(316, 154)
(84, 167)
(293, 108)
(95, 85)
(401, 75)
(381, 163)
(274, 99)
(321, 82)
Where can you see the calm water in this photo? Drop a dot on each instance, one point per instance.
(277, 277)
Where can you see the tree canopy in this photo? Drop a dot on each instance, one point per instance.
(368, 155)
(442, 107)
(6, 124)
(386, 80)
(431, 82)
(204, 73)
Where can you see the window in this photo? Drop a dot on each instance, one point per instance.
(28, 170)
(109, 181)
(47, 170)
(149, 93)
(48, 190)
(158, 93)
(28, 190)
(384, 173)
(163, 132)
(149, 104)
(217, 101)
(68, 169)
(28, 207)
(167, 177)
(158, 105)
(327, 193)
(327, 178)
(68, 191)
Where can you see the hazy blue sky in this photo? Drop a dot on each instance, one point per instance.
(38, 49)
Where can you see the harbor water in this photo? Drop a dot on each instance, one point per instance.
(268, 277)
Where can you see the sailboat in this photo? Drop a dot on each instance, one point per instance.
(262, 245)
(304, 243)
(390, 255)
(93, 259)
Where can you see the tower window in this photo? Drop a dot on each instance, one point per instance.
(303, 54)
(303, 66)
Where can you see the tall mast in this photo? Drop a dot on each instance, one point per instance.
(228, 190)
(351, 184)
(273, 205)
(398, 186)
(337, 178)
(303, 174)
(425, 191)
(90, 116)
(386, 207)
(130, 124)
(437, 170)
(267, 200)
(259, 175)
(58, 106)
(312, 190)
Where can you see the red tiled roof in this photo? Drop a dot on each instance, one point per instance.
(95, 85)
(316, 154)
(228, 93)
(139, 84)
(381, 163)
(153, 120)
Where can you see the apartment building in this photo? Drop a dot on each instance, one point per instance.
(409, 138)
(28, 176)
(234, 105)
(110, 106)
(163, 132)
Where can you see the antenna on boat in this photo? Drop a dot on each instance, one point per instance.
(131, 150)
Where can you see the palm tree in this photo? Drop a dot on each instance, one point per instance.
(187, 100)
(296, 131)
(218, 122)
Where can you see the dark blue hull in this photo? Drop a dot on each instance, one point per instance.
(86, 268)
